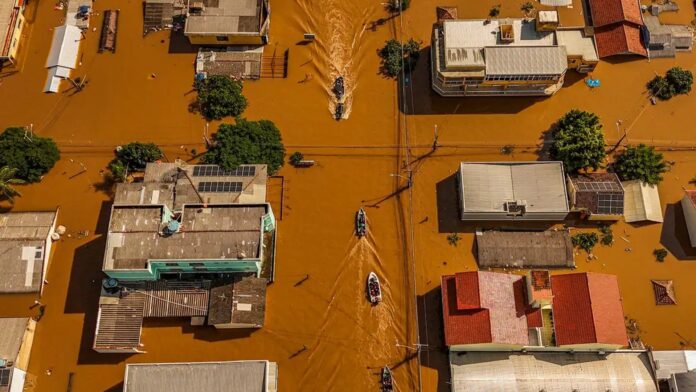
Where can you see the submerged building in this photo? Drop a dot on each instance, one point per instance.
(189, 241)
(688, 204)
(519, 57)
(240, 376)
(25, 250)
(506, 191)
(228, 22)
(489, 311)
(12, 24)
(16, 340)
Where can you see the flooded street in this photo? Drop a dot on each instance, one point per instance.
(320, 328)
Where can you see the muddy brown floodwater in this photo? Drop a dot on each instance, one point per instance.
(359, 164)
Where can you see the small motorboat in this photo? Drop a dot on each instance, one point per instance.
(360, 223)
(338, 88)
(338, 115)
(374, 291)
(387, 380)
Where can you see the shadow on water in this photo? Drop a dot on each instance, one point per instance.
(422, 99)
(430, 331)
(674, 236)
(116, 388)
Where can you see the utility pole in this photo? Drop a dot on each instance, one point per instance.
(435, 136)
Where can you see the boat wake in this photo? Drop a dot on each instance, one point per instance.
(340, 31)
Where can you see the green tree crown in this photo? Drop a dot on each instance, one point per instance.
(220, 96)
(641, 163)
(578, 141)
(32, 156)
(247, 142)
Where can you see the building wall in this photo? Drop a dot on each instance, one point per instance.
(17, 34)
(502, 216)
(486, 347)
(231, 39)
(156, 268)
(690, 216)
(17, 380)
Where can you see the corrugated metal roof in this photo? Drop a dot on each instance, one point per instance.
(531, 60)
(240, 376)
(487, 186)
(641, 202)
(521, 249)
(13, 330)
(551, 372)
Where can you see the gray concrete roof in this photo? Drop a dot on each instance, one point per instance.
(525, 60)
(525, 249)
(214, 232)
(242, 301)
(226, 16)
(238, 376)
(551, 372)
(163, 180)
(13, 330)
(23, 237)
(488, 185)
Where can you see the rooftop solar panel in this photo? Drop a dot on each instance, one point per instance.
(610, 203)
(606, 186)
(219, 187)
(217, 171)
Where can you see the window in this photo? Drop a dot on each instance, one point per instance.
(197, 264)
(222, 38)
(171, 264)
(5, 377)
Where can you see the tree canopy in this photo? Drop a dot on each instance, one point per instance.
(7, 182)
(133, 157)
(247, 142)
(220, 96)
(676, 81)
(578, 141)
(32, 156)
(641, 163)
(394, 57)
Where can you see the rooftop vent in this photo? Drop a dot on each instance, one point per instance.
(507, 33)
(516, 208)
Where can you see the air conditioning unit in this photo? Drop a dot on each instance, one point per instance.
(516, 208)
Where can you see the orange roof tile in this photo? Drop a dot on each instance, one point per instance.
(605, 12)
(621, 38)
(587, 309)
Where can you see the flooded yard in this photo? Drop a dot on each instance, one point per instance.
(321, 330)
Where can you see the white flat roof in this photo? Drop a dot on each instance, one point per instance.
(577, 44)
(525, 60)
(551, 372)
(641, 202)
(64, 48)
(486, 186)
(464, 40)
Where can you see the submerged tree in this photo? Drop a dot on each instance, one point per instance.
(494, 11)
(30, 155)
(7, 183)
(681, 79)
(578, 141)
(527, 8)
(585, 241)
(395, 56)
(133, 157)
(641, 163)
(660, 88)
(220, 96)
(247, 142)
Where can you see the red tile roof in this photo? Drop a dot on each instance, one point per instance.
(587, 309)
(605, 12)
(501, 314)
(621, 38)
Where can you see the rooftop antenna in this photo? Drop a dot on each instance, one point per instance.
(29, 132)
